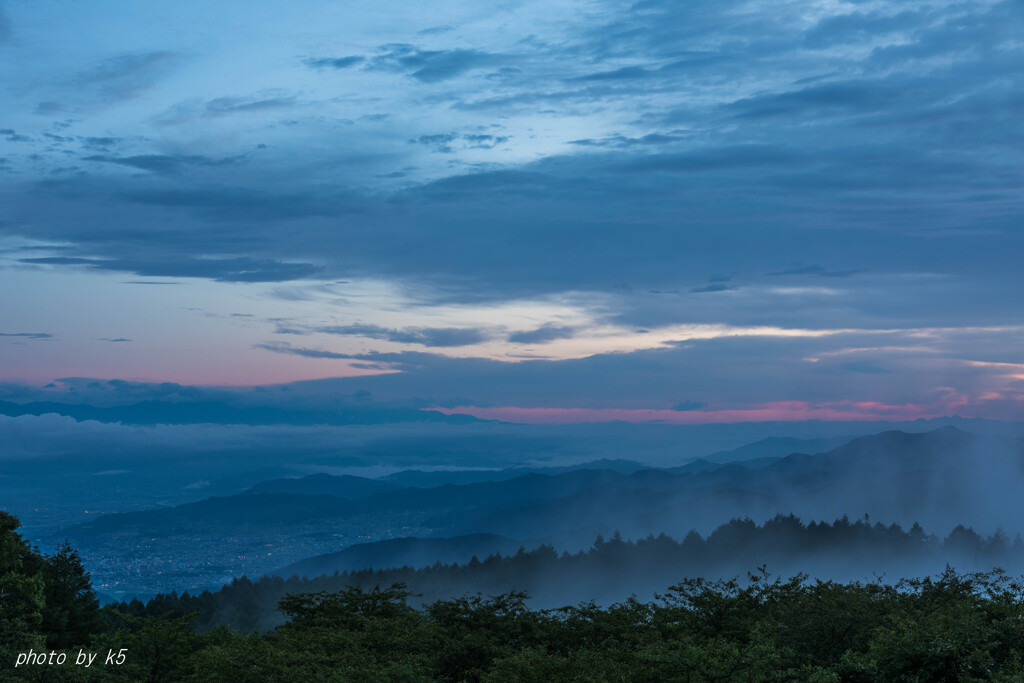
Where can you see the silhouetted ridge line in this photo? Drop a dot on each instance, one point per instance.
(612, 569)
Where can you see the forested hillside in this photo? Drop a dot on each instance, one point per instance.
(940, 478)
(615, 569)
(954, 626)
(713, 605)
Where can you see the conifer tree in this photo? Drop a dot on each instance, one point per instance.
(72, 611)
(21, 591)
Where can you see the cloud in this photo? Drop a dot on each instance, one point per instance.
(686, 406)
(443, 142)
(237, 204)
(439, 141)
(859, 98)
(542, 334)
(431, 66)
(783, 411)
(334, 62)
(91, 446)
(125, 76)
(13, 136)
(867, 367)
(125, 66)
(223, 106)
(816, 270)
(864, 27)
(493, 183)
(148, 282)
(48, 108)
(241, 269)
(280, 347)
(621, 141)
(28, 335)
(723, 158)
(185, 112)
(425, 336)
(728, 372)
(162, 163)
(651, 145)
(84, 448)
(481, 141)
(234, 105)
(713, 287)
(624, 73)
(436, 30)
(100, 142)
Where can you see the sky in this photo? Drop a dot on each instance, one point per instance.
(545, 212)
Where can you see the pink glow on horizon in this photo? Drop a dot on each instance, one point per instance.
(217, 368)
(778, 411)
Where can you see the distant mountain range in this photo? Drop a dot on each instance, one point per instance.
(775, 447)
(348, 486)
(427, 479)
(343, 486)
(203, 412)
(404, 552)
(940, 478)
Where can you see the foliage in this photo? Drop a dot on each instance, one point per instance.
(21, 592)
(612, 569)
(71, 611)
(950, 627)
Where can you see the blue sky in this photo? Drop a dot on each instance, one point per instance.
(653, 210)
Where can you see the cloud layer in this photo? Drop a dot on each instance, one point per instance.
(532, 189)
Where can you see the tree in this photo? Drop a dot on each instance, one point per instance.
(21, 591)
(72, 612)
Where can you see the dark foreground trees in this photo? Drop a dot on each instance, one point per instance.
(46, 602)
(21, 591)
(951, 627)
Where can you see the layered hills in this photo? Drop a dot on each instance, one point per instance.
(941, 479)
